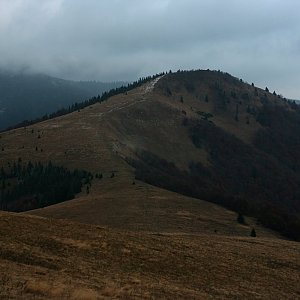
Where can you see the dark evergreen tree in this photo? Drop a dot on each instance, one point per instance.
(240, 218)
(253, 233)
(236, 113)
(29, 186)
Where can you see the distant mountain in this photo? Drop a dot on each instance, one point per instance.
(26, 97)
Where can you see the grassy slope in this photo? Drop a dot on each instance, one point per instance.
(48, 259)
(97, 139)
(142, 207)
(172, 249)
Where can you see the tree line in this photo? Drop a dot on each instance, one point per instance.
(34, 185)
(241, 177)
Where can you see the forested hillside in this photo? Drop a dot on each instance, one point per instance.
(29, 186)
(26, 97)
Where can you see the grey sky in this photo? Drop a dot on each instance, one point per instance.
(106, 40)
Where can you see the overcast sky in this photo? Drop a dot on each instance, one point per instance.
(257, 40)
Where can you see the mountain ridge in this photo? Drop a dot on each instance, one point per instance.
(217, 126)
(122, 237)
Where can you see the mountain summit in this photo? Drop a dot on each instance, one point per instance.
(204, 134)
(180, 186)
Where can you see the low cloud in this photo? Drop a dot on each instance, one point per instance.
(258, 41)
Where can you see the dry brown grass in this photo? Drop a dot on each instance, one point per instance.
(84, 294)
(143, 207)
(134, 265)
(38, 288)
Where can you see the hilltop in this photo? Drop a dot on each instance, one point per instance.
(168, 164)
